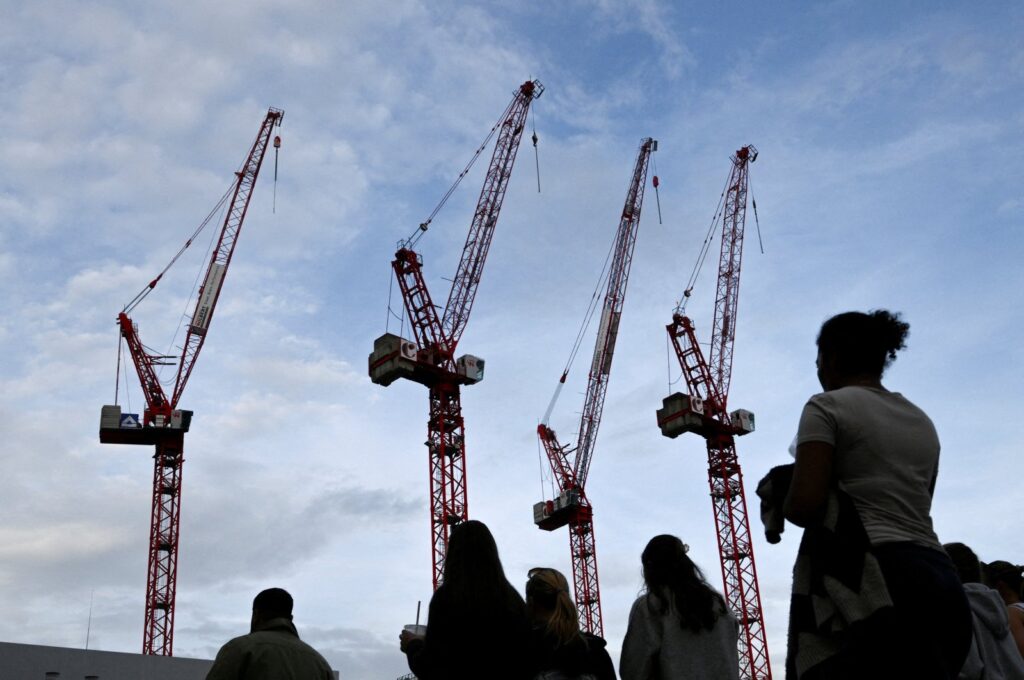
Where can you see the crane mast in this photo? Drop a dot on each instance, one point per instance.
(704, 411)
(430, 359)
(571, 466)
(163, 424)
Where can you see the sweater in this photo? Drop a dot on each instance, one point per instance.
(657, 647)
(994, 654)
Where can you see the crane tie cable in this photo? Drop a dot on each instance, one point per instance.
(705, 248)
(422, 228)
(152, 284)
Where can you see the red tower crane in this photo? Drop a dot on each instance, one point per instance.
(430, 359)
(704, 412)
(571, 465)
(163, 424)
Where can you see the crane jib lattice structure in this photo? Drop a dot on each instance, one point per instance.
(429, 358)
(164, 425)
(704, 411)
(571, 465)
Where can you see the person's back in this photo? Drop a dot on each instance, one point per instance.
(272, 650)
(466, 642)
(680, 628)
(476, 624)
(886, 458)
(658, 647)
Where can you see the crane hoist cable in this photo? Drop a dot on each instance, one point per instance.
(534, 138)
(757, 222)
(655, 182)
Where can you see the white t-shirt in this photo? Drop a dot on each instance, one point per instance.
(886, 458)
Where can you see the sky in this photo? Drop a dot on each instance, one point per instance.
(890, 138)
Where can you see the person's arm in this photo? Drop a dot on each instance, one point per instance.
(641, 645)
(1017, 627)
(605, 669)
(423, 652)
(812, 478)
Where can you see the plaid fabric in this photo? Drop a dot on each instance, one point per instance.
(839, 597)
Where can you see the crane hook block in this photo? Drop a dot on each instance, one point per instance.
(277, 142)
(655, 182)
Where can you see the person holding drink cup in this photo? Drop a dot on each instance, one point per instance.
(476, 622)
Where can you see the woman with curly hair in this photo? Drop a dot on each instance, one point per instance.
(883, 452)
(679, 628)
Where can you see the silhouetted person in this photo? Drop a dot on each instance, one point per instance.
(993, 654)
(883, 452)
(272, 650)
(476, 625)
(1008, 580)
(560, 649)
(680, 628)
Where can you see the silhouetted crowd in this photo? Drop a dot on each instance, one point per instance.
(479, 625)
(875, 595)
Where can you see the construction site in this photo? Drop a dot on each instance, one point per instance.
(221, 326)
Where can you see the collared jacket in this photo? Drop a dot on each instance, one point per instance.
(273, 651)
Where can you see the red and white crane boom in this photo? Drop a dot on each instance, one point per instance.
(571, 465)
(163, 425)
(430, 358)
(704, 411)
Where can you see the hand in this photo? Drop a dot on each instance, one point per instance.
(405, 638)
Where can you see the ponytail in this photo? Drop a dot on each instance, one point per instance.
(548, 591)
(863, 344)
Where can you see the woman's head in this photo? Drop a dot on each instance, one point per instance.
(671, 576)
(471, 553)
(665, 561)
(966, 563)
(1007, 578)
(858, 345)
(474, 581)
(548, 603)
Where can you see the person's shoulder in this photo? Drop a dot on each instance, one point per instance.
(242, 641)
(640, 601)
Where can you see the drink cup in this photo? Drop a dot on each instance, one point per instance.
(417, 630)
